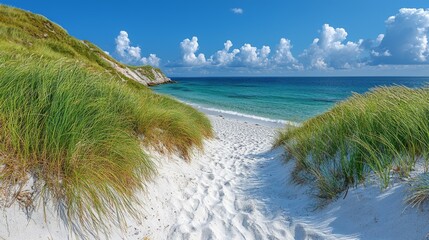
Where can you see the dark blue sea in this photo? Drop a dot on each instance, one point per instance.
(279, 99)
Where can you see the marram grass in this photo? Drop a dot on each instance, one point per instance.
(419, 191)
(384, 131)
(77, 134)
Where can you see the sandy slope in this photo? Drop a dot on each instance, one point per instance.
(240, 189)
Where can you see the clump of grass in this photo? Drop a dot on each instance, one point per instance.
(384, 129)
(174, 126)
(75, 133)
(72, 132)
(419, 192)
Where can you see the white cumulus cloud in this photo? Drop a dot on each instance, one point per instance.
(250, 56)
(189, 48)
(225, 57)
(237, 10)
(283, 57)
(152, 60)
(247, 56)
(123, 48)
(405, 40)
(331, 51)
(132, 55)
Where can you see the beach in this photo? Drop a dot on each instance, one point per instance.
(154, 130)
(240, 188)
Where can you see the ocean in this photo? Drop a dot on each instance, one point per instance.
(275, 99)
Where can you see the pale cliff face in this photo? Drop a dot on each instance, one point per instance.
(139, 75)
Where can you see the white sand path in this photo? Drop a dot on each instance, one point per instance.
(223, 193)
(213, 203)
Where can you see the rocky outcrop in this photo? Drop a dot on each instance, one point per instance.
(160, 78)
(145, 75)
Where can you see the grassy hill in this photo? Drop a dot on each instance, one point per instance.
(34, 34)
(72, 125)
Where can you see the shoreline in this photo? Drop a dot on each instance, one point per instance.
(240, 188)
(242, 117)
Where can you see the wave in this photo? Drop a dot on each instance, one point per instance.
(244, 115)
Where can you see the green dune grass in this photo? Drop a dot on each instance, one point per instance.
(77, 134)
(384, 131)
(72, 127)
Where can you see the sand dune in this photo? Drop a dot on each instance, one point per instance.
(239, 188)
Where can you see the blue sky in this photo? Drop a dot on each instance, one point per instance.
(271, 37)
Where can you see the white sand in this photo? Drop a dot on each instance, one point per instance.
(240, 189)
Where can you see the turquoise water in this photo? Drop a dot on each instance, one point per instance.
(290, 98)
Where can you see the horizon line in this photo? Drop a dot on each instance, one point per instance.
(329, 76)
